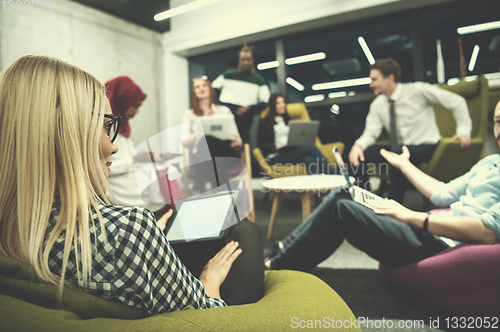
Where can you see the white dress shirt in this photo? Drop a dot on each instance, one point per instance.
(415, 119)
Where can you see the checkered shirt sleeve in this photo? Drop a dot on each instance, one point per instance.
(135, 264)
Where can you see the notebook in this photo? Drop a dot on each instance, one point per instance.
(302, 132)
(357, 193)
(203, 217)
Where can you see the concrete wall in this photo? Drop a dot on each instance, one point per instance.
(100, 43)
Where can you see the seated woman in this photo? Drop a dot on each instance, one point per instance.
(56, 147)
(273, 137)
(204, 103)
(125, 98)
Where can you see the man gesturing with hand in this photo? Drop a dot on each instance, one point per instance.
(405, 111)
(391, 233)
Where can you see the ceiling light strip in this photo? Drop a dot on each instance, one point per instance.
(366, 50)
(295, 84)
(342, 84)
(337, 94)
(182, 9)
(305, 58)
(473, 58)
(478, 28)
(268, 65)
(313, 98)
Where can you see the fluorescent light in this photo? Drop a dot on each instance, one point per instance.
(473, 58)
(478, 28)
(313, 98)
(295, 84)
(305, 58)
(351, 93)
(337, 94)
(182, 9)
(335, 109)
(268, 65)
(366, 49)
(342, 84)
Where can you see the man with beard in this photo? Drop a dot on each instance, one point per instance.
(244, 91)
(405, 111)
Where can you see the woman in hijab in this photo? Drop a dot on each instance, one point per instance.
(126, 98)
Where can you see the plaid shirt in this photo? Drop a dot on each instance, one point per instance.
(135, 264)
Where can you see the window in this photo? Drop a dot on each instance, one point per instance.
(338, 55)
(442, 23)
(341, 58)
(344, 57)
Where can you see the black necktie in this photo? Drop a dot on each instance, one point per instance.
(394, 131)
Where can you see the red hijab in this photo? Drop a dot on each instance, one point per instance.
(122, 93)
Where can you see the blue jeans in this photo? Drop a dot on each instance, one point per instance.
(307, 155)
(385, 239)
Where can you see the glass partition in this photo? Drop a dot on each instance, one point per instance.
(481, 49)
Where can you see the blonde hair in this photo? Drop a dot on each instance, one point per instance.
(51, 120)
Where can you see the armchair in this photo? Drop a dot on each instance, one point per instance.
(28, 304)
(449, 161)
(296, 111)
(462, 280)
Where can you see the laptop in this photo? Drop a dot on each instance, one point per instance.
(203, 217)
(219, 126)
(357, 193)
(302, 132)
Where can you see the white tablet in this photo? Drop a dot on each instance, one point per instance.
(203, 218)
(219, 126)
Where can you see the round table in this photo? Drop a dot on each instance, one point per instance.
(306, 185)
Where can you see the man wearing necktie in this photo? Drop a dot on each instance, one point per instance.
(405, 111)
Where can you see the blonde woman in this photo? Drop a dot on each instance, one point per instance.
(56, 147)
